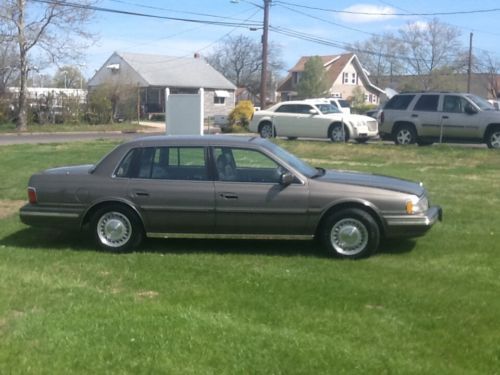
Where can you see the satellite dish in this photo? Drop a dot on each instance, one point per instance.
(390, 92)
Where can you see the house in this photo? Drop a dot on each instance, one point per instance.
(152, 74)
(343, 73)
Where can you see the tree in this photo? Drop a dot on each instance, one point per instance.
(8, 65)
(69, 77)
(312, 83)
(430, 47)
(239, 59)
(52, 30)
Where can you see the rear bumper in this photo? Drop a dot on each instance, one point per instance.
(412, 225)
(35, 215)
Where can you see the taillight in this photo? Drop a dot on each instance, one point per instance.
(32, 195)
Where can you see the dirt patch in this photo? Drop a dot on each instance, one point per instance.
(8, 208)
(147, 294)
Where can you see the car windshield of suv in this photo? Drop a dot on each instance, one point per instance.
(326, 108)
(298, 164)
(483, 104)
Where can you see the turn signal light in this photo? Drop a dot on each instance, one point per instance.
(32, 195)
(409, 207)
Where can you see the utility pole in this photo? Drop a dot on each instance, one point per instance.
(469, 69)
(263, 76)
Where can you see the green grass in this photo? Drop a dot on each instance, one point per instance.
(54, 128)
(426, 306)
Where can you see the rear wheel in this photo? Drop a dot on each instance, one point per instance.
(266, 130)
(493, 138)
(116, 228)
(339, 133)
(405, 135)
(350, 233)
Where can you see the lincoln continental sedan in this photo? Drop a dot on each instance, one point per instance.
(225, 186)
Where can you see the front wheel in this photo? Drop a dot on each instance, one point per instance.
(405, 135)
(116, 228)
(493, 138)
(339, 133)
(266, 130)
(351, 234)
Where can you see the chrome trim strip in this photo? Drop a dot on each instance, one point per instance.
(48, 214)
(230, 236)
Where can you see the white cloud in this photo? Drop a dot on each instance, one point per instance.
(358, 15)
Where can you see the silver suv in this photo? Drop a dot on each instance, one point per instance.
(426, 117)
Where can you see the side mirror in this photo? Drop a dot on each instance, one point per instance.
(313, 112)
(469, 109)
(286, 178)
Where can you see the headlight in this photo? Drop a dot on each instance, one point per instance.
(416, 205)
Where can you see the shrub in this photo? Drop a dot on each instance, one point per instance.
(241, 114)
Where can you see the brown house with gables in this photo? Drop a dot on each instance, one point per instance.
(343, 72)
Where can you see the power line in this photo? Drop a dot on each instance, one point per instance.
(492, 10)
(129, 13)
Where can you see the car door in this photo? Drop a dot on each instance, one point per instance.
(249, 198)
(457, 122)
(293, 120)
(425, 115)
(172, 188)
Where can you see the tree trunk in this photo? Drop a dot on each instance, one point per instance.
(22, 115)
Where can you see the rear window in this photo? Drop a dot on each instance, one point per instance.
(400, 102)
(344, 104)
(427, 103)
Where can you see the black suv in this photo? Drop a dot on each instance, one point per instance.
(427, 117)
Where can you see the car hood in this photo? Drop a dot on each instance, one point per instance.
(371, 180)
(74, 169)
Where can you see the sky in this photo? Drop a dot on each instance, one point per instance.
(336, 21)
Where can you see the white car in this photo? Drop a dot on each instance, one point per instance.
(312, 119)
(341, 104)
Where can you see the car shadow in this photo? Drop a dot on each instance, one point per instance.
(54, 239)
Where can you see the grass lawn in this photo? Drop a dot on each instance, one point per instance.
(53, 128)
(426, 306)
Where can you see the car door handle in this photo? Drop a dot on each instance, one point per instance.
(414, 115)
(141, 193)
(445, 117)
(228, 196)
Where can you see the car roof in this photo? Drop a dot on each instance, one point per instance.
(195, 140)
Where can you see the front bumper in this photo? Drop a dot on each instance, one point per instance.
(412, 225)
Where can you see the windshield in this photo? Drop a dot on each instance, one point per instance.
(483, 104)
(293, 161)
(326, 108)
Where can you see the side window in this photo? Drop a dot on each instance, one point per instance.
(286, 108)
(427, 103)
(125, 168)
(179, 163)
(454, 104)
(399, 102)
(241, 165)
(304, 109)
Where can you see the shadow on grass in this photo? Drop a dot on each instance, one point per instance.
(52, 239)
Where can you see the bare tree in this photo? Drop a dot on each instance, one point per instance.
(430, 47)
(52, 30)
(69, 76)
(239, 59)
(491, 66)
(8, 65)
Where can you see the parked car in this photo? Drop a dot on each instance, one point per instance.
(341, 104)
(427, 117)
(225, 185)
(312, 118)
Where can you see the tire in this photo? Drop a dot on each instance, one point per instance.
(405, 135)
(493, 138)
(337, 134)
(266, 130)
(117, 228)
(350, 234)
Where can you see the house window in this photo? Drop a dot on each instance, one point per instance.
(345, 77)
(296, 76)
(220, 96)
(354, 79)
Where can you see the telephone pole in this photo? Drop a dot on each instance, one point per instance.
(263, 76)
